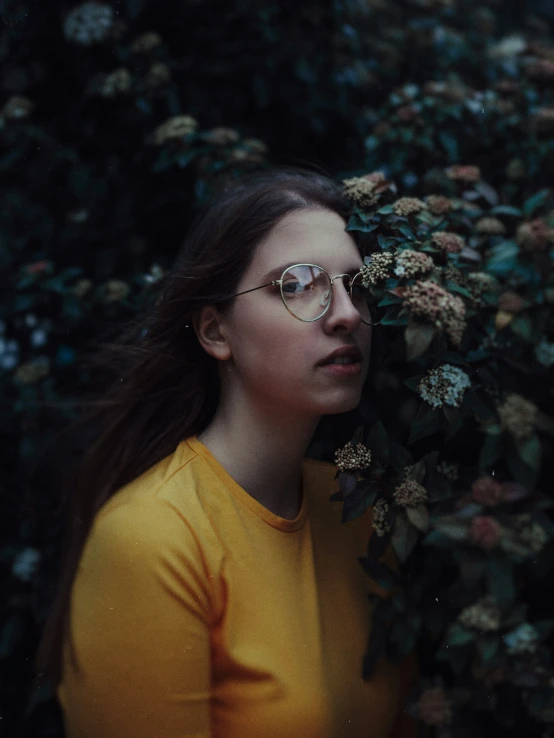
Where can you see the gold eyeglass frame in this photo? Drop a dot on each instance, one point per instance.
(280, 283)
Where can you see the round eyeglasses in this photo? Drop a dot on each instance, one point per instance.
(307, 291)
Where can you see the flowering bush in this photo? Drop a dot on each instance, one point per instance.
(460, 460)
(439, 116)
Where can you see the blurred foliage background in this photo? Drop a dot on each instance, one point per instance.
(118, 119)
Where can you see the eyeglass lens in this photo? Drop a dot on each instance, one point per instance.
(307, 291)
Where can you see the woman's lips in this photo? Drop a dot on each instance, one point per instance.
(343, 369)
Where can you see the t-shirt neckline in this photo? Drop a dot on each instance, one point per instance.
(250, 502)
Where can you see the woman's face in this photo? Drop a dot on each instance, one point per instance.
(276, 357)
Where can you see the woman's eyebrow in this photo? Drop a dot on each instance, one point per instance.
(277, 271)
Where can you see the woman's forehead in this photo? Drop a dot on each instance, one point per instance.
(314, 237)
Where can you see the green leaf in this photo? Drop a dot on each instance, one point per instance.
(392, 317)
(24, 302)
(182, 160)
(522, 326)
(488, 647)
(454, 531)
(134, 8)
(519, 470)
(407, 233)
(477, 355)
(347, 482)
(10, 635)
(404, 537)
(359, 222)
(418, 516)
(378, 442)
(530, 452)
(377, 545)
(385, 210)
(458, 635)
(389, 299)
(456, 657)
(430, 461)
(506, 210)
(358, 501)
(500, 580)
(544, 627)
(437, 538)
(450, 145)
(78, 179)
(469, 510)
(377, 643)
(402, 640)
(472, 567)
(419, 337)
(164, 161)
(535, 202)
(418, 470)
(427, 422)
(364, 217)
(486, 191)
(479, 408)
(502, 255)
(383, 575)
(413, 382)
(453, 287)
(491, 451)
(399, 457)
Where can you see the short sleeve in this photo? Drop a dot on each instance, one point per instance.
(141, 612)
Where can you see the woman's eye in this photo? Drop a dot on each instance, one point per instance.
(292, 286)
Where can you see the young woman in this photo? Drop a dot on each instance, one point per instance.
(214, 592)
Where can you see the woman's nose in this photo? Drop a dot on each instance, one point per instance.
(341, 304)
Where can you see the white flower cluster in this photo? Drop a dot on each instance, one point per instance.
(410, 493)
(410, 263)
(17, 107)
(483, 615)
(154, 275)
(351, 458)
(9, 350)
(449, 470)
(174, 128)
(89, 23)
(518, 415)
(115, 83)
(534, 536)
(523, 639)
(444, 385)
(544, 353)
(361, 191)
(25, 564)
(377, 269)
(379, 517)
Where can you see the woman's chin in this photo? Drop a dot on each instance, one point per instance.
(343, 404)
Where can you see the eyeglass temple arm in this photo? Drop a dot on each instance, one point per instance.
(269, 284)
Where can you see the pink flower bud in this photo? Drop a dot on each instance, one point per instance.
(487, 491)
(484, 532)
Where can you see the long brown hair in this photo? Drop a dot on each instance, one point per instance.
(165, 387)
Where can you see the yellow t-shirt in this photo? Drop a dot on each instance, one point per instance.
(196, 612)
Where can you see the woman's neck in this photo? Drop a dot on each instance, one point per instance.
(265, 460)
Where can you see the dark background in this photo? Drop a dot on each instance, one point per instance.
(87, 198)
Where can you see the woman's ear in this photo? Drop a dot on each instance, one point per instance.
(209, 326)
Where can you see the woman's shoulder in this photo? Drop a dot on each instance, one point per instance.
(164, 502)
